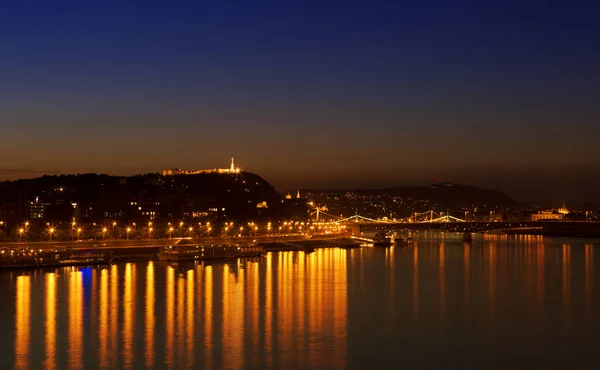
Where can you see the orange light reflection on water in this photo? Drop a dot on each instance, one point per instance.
(566, 277)
(293, 302)
(75, 320)
(170, 316)
(467, 269)
(269, 309)
(103, 319)
(190, 321)
(179, 327)
(50, 321)
(589, 274)
(492, 275)
(208, 307)
(415, 281)
(22, 308)
(150, 319)
(128, 315)
(442, 279)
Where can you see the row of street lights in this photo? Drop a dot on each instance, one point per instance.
(228, 226)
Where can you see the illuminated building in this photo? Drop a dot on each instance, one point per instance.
(547, 215)
(563, 210)
(176, 171)
(297, 208)
(36, 209)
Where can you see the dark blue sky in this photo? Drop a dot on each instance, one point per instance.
(307, 93)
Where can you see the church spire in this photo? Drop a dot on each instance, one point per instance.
(232, 168)
(298, 194)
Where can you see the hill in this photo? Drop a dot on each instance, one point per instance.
(96, 197)
(455, 195)
(407, 200)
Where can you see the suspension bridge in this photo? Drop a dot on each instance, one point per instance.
(430, 216)
(428, 220)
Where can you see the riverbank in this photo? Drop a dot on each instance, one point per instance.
(135, 251)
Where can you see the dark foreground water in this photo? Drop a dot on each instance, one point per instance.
(501, 303)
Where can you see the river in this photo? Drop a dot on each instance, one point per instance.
(500, 302)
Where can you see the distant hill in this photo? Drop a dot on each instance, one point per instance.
(455, 195)
(448, 195)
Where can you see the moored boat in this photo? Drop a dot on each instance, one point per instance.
(402, 241)
(206, 252)
(27, 258)
(381, 241)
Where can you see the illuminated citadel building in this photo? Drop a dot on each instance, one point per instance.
(176, 171)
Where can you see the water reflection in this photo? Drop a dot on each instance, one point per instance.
(491, 250)
(150, 313)
(566, 266)
(467, 270)
(75, 320)
(442, 280)
(50, 321)
(190, 319)
(170, 315)
(208, 306)
(589, 274)
(23, 314)
(415, 281)
(111, 359)
(103, 322)
(128, 315)
(566, 281)
(297, 308)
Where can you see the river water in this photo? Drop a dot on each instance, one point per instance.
(499, 303)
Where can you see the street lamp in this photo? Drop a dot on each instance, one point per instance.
(73, 224)
(78, 233)
(128, 231)
(104, 233)
(51, 231)
(21, 231)
(170, 231)
(190, 231)
(150, 232)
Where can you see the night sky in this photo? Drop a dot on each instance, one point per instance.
(501, 94)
